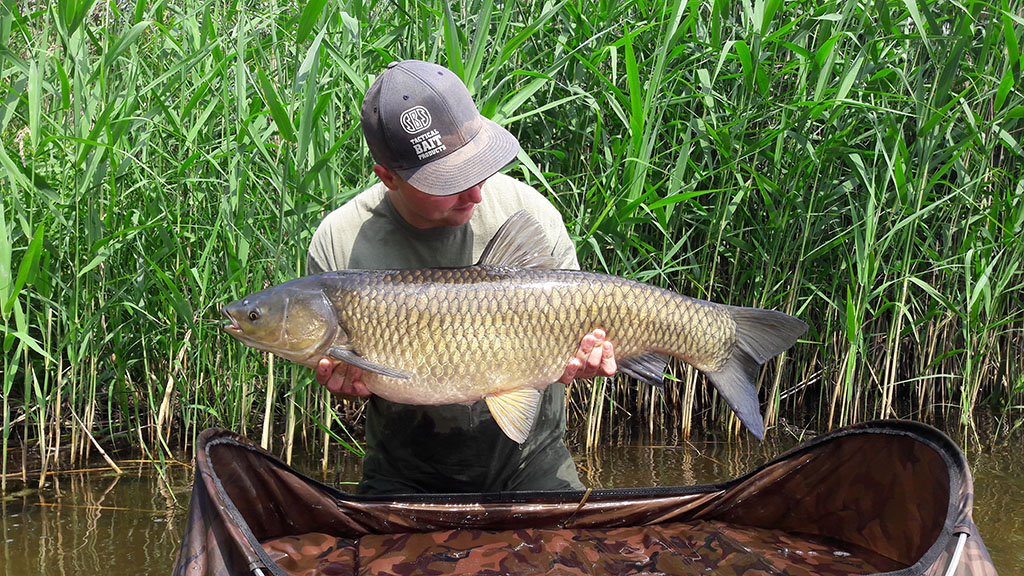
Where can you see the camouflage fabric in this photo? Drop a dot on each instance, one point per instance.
(671, 548)
(889, 497)
(313, 554)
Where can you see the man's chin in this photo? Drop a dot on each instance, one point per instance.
(460, 216)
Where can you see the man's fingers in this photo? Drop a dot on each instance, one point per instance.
(594, 358)
(324, 370)
(335, 383)
(586, 346)
(593, 349)
(359, 388)
(570, 371)
(354, 384)
(608, 364)
(340, 379)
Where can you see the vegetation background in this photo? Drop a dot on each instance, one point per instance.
(855, 163)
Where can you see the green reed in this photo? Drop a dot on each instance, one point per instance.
(857, 164)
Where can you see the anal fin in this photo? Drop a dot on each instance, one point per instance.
(515, 411)
(648, 367)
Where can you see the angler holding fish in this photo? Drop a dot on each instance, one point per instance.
(466, 363)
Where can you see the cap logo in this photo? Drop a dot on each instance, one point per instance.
(415, 119)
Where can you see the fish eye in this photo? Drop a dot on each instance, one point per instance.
(254, 315)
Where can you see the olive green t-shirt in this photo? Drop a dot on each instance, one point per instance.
(451, 448)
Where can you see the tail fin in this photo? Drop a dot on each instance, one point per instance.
(760, 335)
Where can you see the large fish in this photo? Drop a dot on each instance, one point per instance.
(506, 328)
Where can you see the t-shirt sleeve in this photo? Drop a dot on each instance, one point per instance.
(320, 256)
(564, 250)
(330, 249)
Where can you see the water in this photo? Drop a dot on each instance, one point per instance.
(999, 506)
(98, 523)
(95, 523)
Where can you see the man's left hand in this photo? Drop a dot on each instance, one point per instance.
(595, 357)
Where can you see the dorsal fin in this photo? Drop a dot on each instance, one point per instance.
(519, 243)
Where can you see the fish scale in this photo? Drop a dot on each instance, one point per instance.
(505, 328)
(467, 332)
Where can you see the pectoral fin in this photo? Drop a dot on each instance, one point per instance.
(350, 357)
(515, 411)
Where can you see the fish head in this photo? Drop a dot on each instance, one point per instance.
(292, 320)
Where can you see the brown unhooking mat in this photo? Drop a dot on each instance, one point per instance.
(882, 498)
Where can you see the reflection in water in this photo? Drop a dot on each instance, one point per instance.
(648, 465)
(98, 523)
(94, 524)
(999, 505)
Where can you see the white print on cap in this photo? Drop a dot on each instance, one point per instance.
(427, 144)
(415, 119)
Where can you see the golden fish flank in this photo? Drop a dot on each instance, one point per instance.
(506, 328)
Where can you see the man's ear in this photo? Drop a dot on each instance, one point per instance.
(388, 177)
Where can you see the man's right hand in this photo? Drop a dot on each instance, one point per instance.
(341, 380)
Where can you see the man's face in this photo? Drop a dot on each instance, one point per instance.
(423, 210)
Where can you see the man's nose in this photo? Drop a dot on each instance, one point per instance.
(473, 194)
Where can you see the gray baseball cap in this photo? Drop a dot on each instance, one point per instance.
(419, 120)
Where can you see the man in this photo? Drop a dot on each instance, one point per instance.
(439, 201)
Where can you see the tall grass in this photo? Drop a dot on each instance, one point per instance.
(857, 164)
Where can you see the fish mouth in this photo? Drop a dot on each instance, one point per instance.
(230, 325)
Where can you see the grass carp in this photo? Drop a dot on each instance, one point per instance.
(504, 329)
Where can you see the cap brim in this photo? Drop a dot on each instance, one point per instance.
(490, 150)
